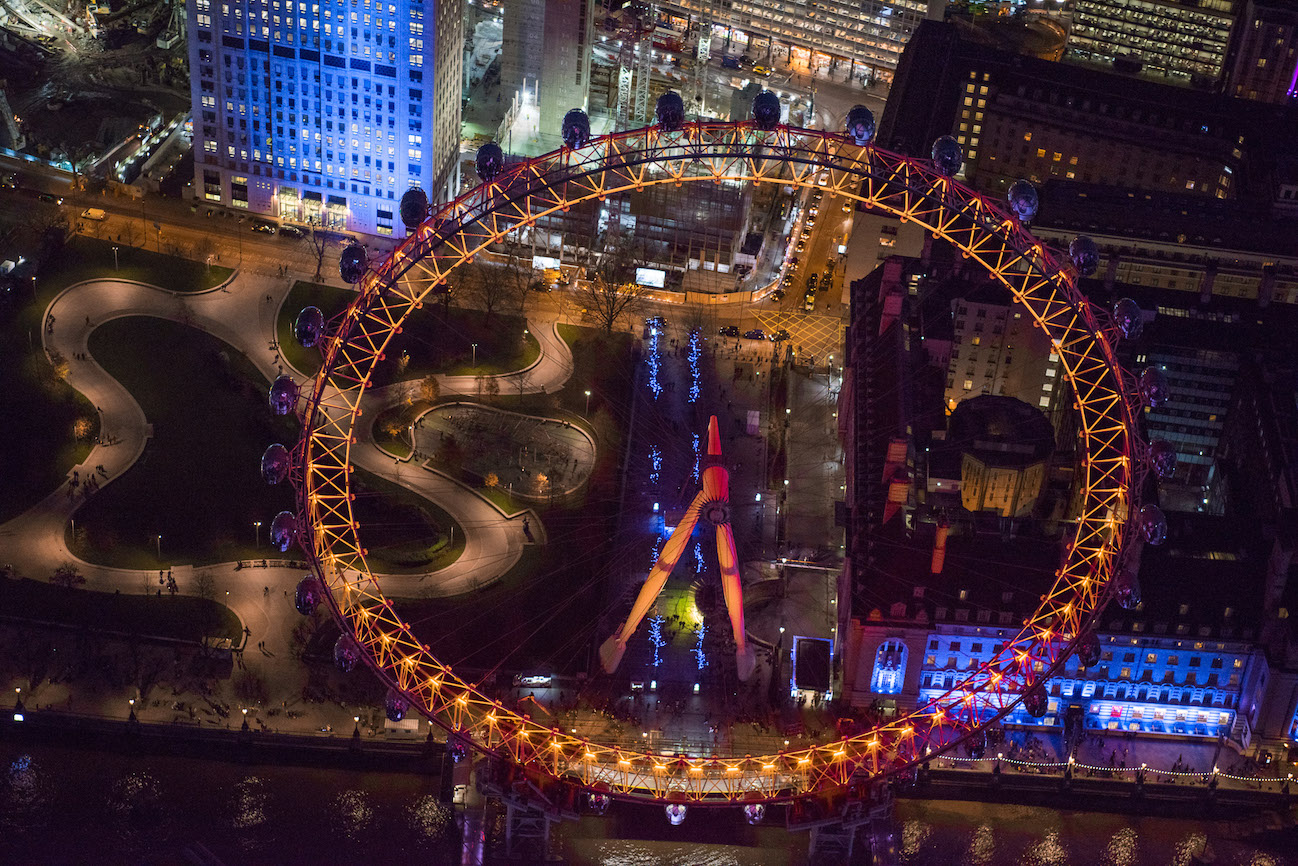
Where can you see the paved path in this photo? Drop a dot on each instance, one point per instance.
(242, 313)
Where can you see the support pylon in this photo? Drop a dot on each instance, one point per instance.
(713, 504)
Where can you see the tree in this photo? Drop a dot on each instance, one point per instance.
(67, 575)
(319, 240)
(450, 454)
(611, 292)
(429, 390)
(205, 586)
(492, 480)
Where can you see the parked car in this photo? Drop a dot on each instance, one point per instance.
(729, 331)
(728, 62)
(291, 232)
(50, 198)
(264, 227)
(812, 282)
(781, 334)
(777, 295)
(755, 334)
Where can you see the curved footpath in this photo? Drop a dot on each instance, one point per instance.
(242, 312)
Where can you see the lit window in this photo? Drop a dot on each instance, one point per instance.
(968, 384)
(1041, 152)
(889, 668)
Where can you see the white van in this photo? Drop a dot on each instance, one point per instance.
(94, 213)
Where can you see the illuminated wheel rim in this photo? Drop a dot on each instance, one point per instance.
(1111, 456)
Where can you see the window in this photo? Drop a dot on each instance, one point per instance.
(889, 668)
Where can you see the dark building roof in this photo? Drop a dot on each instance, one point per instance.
(925, 102)
(1001, 431)
(1198, 221)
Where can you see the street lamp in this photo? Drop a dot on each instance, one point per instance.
(256, 535)
(587, 402)
(158, 544)
(475, 353)
(115, 265)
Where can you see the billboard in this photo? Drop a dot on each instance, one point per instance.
(650, 277)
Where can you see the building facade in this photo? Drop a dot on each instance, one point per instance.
(545, 54)
(996, 351)
(1180, 40)
(1264, 59)
(814, 33)
(325, 114)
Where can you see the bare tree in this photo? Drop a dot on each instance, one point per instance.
(519, 274)
(67, 575)
(611, 292)
(320, 240)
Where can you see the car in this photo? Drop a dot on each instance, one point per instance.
(777, 295)
(728, 62)
(656, 322)
(755, 334)
(812, 282)
(291, 232)
(810, 303)
(781, 334)
(746, 61)
(787, 281)
(802, 244)
(763, 71)
(813, 210)
(729, 331)
(264, 227)
(9, 181)
(847, 207)
(50, 197)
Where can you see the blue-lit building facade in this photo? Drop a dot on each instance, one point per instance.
(325, 113)
(1189, 685)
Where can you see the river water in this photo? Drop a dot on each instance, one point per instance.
(65, 805)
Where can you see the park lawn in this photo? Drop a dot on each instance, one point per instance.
(403, 532)
(395, 439)
(86, 258)
(436, 340)
(543, 613)
(181, 617)
(41, 411)
(198, 483)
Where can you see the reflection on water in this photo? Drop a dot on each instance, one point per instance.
(948, 833)
(591, 852)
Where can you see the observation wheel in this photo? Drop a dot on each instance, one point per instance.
(1099, 560)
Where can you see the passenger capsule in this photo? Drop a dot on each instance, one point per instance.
(860, 125)
(670, 111)
(283, 395)
(414, 208)
(1155, 390)
(1128, 318)
(489, 162)
(352, 263)
(576, 129)
(309, 326)
(766, 113)
(308, 595)
(1152, 524)
(1126, 589)
(948, 156)
(346, 653)
(1023, 201)
(395, 706)
(283, 530)
(1084, 254)
(1162, 458)
(275, 464)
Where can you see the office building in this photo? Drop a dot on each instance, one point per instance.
(996, 351)
(1183, 41)
(325, 114)
(869, 35)
(545, 54)
(1263, 62)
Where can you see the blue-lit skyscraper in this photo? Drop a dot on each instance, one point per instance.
(325, 113)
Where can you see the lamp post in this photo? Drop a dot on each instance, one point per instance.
(158, 546)
(115, 265)
(588, 403)
(256, 535)
(475, 353)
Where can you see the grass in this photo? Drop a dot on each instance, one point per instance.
(434, 340)
(198, 483)
(403, 532)
(181, 617)
(392, 426)
(502, 500)
(56, 425)
(87, 259)
(543, 613)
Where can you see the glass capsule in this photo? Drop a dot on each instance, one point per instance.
(1084, 254)
(352, 263)
(414, 207)
(1088, 649)
(754, 812)
(1022, 198)
(860, 125)
(283, 530)
(1036, 702)
(308, 595)
(346, 653)
(309, 326)
(675, 813)
(1162, 458)
(670, 111)
(1155, 390)
(766, 110)
(1126, 589)
(395, 706)
(275, 464)
(1128, 318)
(948, 156)
(576, 129)
(1153, 525)
(490, 161)
(283, 395)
